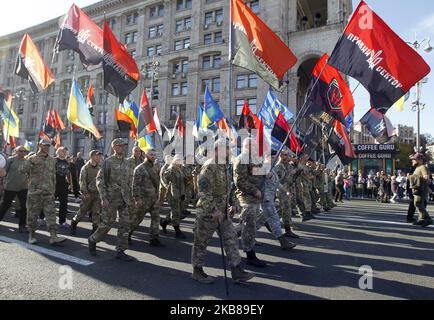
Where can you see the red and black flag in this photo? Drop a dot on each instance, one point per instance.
(146, 124)
(121, 73)
(378, 125)
(331, 94)
(280, 132)
(340, 142)
(255, 47)
(32, 67)
(82, 35)
(91, 100)
(248, 119)
(52, 128)
(371, 52)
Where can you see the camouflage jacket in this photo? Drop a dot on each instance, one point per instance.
(247, 180)
(146, 182)
(176, 181)
(113, 179)
(41, 171)
(133, 164)
(188, 172)
(88, 178)
(163, 181)
(214, 188)
(271, 185)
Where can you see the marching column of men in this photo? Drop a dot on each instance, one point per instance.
(127, 188)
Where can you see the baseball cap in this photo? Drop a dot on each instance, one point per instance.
(94, 153)
(417, 156)
(119, 142)
(44, 142)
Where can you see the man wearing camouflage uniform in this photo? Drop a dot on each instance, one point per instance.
(91, 199)
(311, 186)
(133, 162)
(146, 182)
(41, 172)
(174, 176)
(303, 193)
(419, 184)
(249, 180)
(212, 215)
(113, 183)
(188, 169)
(285, 172)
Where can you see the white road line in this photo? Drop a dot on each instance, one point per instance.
(366, 220)
(48, 252)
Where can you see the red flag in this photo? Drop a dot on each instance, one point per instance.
(371, 52)
(31, 66)
(341, 144)
(331, 93)
(260, 138)
(146, 118)
(257, 48)
(280, 132)
(179, 128)
(121, 74)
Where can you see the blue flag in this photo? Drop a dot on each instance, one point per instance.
(212, 109)
(349, 123)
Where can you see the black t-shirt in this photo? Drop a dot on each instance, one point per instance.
(62, 171)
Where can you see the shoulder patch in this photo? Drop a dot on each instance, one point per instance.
(203, 183)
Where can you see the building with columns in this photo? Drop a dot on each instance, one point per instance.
(190, 41)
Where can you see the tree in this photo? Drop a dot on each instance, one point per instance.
(403, 158)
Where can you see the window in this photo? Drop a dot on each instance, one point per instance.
(184, 66)
(187, 22)
(182, 44)
(183, 24)
(218, 37)
(207, 39)
(35, 107)
(184, 88)
(103, 98)
(102, 118)
(158, 49)
(180, 66)
(71, 56)
(33, 123)
(178, 45)
(216, 85)
(175, 89)
(209, 62)
(183, 4)
(219, 16)
(186, 43)
(240, 105)
(128, 38)
(157, 11)
(67, 87)
(179, 25)
(177, 110)
(247, 81)
(112, 23)
(160, 30)
(133, 54)
(208, 18)
(132, 18)
(254, 5)
(150, 51)
(70, 69)
(153, 31)
(135, 36)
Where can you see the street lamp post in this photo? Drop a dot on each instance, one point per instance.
(417, 105)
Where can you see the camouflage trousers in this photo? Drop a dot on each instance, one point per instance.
(329, 199)
(162, 195)
(153, 207)
(116, 208)
(285, 209)
(189, 191)
(269, 215)
(249, 215)
(419, 203)
(313, 199)
(204, 229)
(305, 199)
(35, 204)
(174, 216)
(93, 204)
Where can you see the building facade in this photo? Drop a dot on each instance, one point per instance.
(187, 43)
(406, 134)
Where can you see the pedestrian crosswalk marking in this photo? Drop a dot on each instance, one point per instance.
(48, 252)
(369, 221)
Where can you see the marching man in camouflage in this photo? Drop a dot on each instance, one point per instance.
(285, 173)
(146, 183)
(113, 183)
(133, 162)
(249, 180)
(269, 211)
(212, 215)
(41, 171)
(91, 199)
(163, 183)
(174, 176)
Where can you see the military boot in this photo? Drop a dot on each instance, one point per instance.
(74, 225)
(254, 261)
(156, 243)
(307, 216)
(266, 225)
(285, 244)
(32, 239)
(121, 255)
(56, 239)
(164, 225)
(179, 234)
(130, 240)
(239, 275)
(92, 247)
(200, 276)
(290, 234)
(94, 228)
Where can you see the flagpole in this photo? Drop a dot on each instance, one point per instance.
(10, 111)
(299, 116)
(230, 61)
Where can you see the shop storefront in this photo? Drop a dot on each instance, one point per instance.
(373, 158)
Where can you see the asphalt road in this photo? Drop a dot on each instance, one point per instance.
(325, 264)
